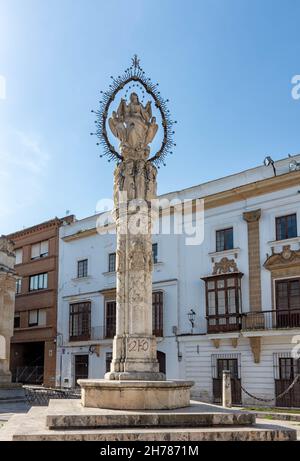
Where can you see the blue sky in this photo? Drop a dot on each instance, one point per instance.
(225, 65)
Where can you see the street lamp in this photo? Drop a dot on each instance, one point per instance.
(191, 317)
(269, 161)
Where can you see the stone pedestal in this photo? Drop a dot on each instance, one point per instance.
(135, 395)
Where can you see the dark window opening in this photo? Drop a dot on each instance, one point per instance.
(157, 313)
(110, 319)
(155, 253)
(80, 321)
(112, 262)
(17, 321)
(286, 227)
(224, 239)
(82, 268)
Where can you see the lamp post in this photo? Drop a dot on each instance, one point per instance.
(191, 317)
(269, 161)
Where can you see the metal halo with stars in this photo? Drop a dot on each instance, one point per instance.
(134, 73)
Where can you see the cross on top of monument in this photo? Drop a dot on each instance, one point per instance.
(135, 61)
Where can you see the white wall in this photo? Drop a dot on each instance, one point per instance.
(178, 274)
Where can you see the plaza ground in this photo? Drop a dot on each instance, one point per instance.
(7, 410)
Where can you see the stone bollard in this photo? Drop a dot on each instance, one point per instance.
(226, 389)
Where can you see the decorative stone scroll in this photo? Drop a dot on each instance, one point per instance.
(225, 266)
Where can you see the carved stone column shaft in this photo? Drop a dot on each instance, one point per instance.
(134, 346)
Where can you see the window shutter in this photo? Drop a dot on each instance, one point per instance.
(42, 317)
(44, 247)
(33, 317)
(19, 256)
(35, 251)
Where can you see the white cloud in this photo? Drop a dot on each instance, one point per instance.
(23, 166)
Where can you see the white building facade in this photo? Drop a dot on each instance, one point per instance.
(231, 301)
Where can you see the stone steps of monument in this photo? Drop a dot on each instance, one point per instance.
(62, 414)
(32, 427)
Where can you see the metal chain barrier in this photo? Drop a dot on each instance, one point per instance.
(41, 395)
(287, 390)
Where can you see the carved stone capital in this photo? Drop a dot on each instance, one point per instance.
(252, 216)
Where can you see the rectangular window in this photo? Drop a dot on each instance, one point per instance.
(288, 294)
(82, 268)
(155, 253)
(18, 286)
(33, 318)
(286, 227)
(223, 303)
(110, 319)
(19, 256)
(80, 321)
(17, 321)
(224, 239)
(157, 313)
(108, 359)
(112, 262)
(286, 368)
(40, 250)
(38, 282)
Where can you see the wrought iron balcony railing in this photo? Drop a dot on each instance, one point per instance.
(260, 320)
(273, 319)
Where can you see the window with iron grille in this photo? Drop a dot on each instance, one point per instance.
(110, 319)
(157, 313)
(224, 239)
(82, 268)
(286, 227)
(112, 262)
(80, 321)
(38, 282)
(232, 363)
(155, 253)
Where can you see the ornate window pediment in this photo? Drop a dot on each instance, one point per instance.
(286, 258)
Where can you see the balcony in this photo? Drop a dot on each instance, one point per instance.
(262, 320)
(273, 319)
(223, 323)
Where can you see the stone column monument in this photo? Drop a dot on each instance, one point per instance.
(134, 380)
(7, 307)
(134, 347)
